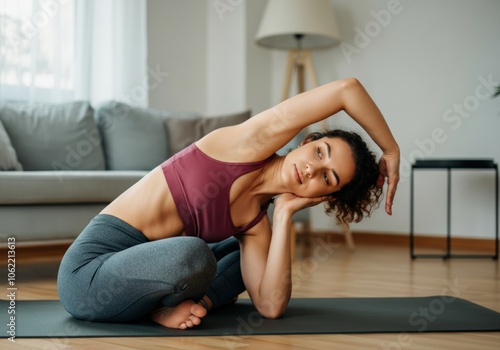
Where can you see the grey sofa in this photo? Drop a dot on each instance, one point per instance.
(61, 164)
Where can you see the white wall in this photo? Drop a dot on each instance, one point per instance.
(177, 44)
(208, 49)
(226, 59)
(429, 58)
(258, 61)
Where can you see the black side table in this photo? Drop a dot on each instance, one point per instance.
(453, 164)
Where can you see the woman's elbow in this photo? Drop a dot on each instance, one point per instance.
(349, 89)
(273, 312)
(350, 83)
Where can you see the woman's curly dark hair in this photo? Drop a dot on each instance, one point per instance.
(360, 196)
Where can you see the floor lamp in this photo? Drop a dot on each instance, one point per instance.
(300, 61)
(299, 26)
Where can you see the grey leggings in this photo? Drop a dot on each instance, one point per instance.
(113, 273)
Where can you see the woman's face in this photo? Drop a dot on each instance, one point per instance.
(318, 168)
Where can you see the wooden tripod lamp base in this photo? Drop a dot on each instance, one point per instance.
(299, 61)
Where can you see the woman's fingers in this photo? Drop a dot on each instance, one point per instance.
(389, 167)
(391, 192)
(295, 203)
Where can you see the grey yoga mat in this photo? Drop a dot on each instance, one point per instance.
(47, 318)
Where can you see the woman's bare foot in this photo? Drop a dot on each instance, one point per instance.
(183, 316)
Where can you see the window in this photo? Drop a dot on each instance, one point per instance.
(54, 51)
(38, 49)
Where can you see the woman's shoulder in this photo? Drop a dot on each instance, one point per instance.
(237, 144)
(256, 139)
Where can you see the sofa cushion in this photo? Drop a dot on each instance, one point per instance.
(50, 187)
(54, 137)
(134, 137)
(183, 132)
(8, 156)
(45, 223)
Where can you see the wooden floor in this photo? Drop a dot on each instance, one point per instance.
(324, 268)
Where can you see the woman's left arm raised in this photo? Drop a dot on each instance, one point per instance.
(359, 105)
(264, 134)
(349, 95)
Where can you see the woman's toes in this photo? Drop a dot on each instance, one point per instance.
(198, 310)
(183, 316)
(195, 320)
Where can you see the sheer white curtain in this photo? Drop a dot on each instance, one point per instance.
(63, 50)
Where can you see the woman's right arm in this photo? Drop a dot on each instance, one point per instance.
(265, 256)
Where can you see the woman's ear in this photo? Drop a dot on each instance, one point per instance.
(306, 141)
(311, 137)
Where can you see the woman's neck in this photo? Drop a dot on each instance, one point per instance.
(269, 182)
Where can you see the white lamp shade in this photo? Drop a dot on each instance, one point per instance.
(282, 19)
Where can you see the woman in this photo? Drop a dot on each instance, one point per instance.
(146, 254)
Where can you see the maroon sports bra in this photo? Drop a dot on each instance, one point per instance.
(200, 188)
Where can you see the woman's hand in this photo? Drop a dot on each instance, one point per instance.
(389, 168)
(292, 203)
